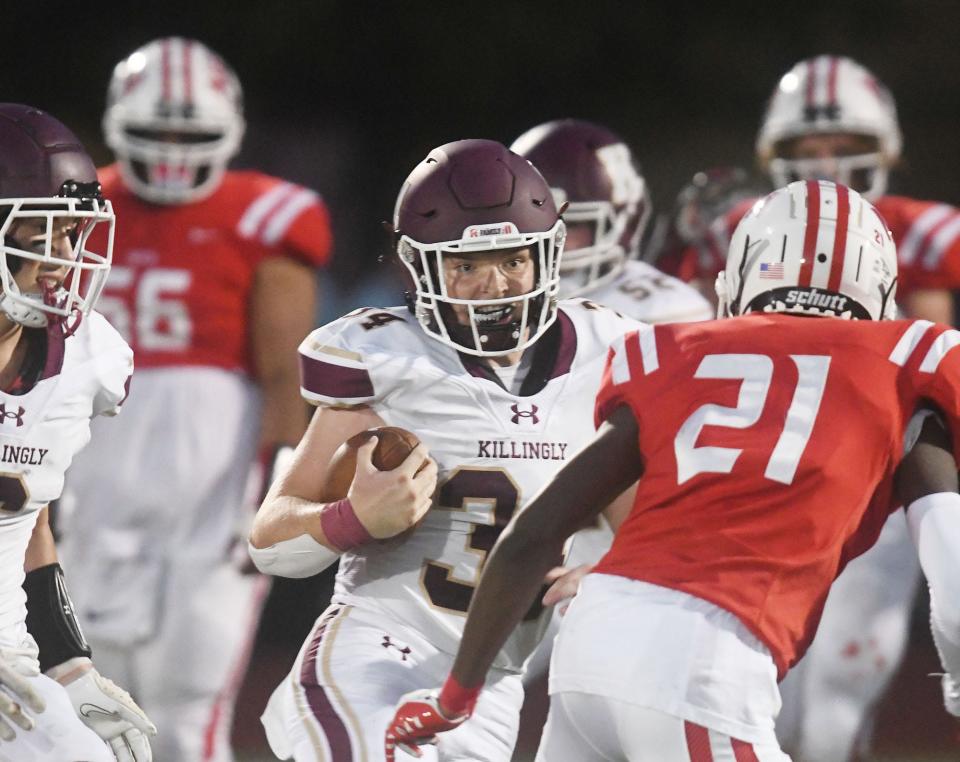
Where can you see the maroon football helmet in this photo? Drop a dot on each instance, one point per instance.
(477, 196)
(593, 170)
(48, 182)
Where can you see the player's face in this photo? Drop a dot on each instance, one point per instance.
(30, 235)
(490, 275)
(830, 145)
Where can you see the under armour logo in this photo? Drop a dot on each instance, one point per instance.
(387, 643)
(831, 111)
(18, 416)
(518, 413)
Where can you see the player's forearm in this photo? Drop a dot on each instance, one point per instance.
(283, 542)
(42, 549)
(511, 581)
(533, 542)
(284, 517)
(934, 522)
(281, 314)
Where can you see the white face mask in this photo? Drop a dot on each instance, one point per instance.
(84, 271)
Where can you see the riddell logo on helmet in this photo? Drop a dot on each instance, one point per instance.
(815, 298)
(476, 231)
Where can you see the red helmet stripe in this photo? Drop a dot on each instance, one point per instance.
(810, 234)
(187, 72)
(165, 69)
(840, 237)
(832, 81)
(811, 81)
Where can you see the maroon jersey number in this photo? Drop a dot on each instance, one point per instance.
(495, 488)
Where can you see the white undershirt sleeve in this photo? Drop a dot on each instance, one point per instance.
(934, 522)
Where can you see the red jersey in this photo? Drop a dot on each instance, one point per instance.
(927, 234)
(179, 290)
(770, 444)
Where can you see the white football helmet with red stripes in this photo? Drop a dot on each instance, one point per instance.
(830, 95)
(812, 248)
(174, 119)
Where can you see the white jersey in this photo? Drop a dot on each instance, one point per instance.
(642, 292)
(84, 376)
(494, 450)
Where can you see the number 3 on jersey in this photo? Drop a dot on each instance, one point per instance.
(494, 490)
(756, 372)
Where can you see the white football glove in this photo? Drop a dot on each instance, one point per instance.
(17, 692)
(110, 712)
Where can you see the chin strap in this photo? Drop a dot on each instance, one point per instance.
(68, 323)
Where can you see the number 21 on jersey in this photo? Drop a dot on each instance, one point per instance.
(756, 373)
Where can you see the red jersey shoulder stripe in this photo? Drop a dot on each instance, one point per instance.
(271, 214)
(917, 233)
(938, 350)
(939, 241)
(257, 212)
(909, 341)
(277, 223)
(919, 341)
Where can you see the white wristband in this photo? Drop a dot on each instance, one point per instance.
(299, 557)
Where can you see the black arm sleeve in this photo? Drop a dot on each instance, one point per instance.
(51, 619)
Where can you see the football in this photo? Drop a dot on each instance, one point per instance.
(393, 446)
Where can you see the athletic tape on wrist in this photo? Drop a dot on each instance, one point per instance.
(342, 527)
(456, 699)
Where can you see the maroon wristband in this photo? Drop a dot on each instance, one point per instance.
(342, 527)
(457, 701)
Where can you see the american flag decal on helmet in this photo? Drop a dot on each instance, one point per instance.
(771, 270)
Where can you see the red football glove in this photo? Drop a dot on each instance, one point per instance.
(417, 721)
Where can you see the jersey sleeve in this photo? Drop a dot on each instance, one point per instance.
(930, 357)
(631, 359)
(112, 361)
(288, 220)
(335, 366)
(928, 241)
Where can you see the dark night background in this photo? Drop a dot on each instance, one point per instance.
(347, 97)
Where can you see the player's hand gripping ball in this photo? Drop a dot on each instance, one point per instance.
(393, 446)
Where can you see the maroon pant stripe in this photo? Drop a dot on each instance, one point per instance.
(320, 705)
(698, 742)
